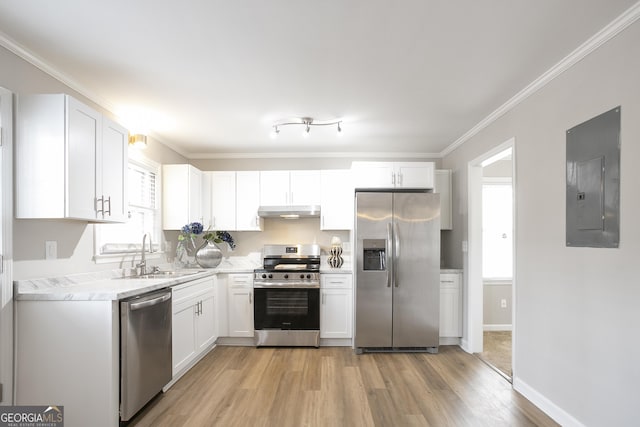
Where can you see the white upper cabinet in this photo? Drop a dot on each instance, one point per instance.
(373, 174)
(443, 187)
(290, 188)
(115, 143)
(248, 201)
(82, 148)
(393, 174)
(181, 196)
(304, 187)
(71, 161)
(274, 188)
(223, 200)
(337, 200)
(415, 174)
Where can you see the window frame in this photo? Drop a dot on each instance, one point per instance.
(141, 161)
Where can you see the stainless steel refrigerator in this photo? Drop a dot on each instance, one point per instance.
(397, 250)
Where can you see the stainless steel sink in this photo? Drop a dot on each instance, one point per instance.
(163, 275)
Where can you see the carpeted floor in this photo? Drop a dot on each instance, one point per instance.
(497, 350)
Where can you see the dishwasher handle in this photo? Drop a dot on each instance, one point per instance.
(150, 302)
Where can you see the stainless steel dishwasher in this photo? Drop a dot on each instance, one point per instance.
(145, 349)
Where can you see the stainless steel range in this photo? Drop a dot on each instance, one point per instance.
(287, 296)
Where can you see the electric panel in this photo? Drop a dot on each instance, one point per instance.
(593, 182)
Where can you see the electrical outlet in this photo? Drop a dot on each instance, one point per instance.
(50, 249)
(503, 303)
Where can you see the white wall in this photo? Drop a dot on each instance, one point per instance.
(75, 238)
(577, 314)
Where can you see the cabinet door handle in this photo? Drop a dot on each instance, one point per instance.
(393, 178)
(249, 297)
(109, 202)
(101, 202)
(324, 298)
(399, 178)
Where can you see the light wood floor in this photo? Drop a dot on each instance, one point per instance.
(331, 386)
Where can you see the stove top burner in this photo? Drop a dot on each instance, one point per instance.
(289, 266)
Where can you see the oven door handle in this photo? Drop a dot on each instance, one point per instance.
(285, 286)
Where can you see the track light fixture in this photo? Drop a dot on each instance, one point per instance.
(307, 122)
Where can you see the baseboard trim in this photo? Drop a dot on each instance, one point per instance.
(558, 414)
(497, 327)
(237, 341)
(464, 344)
(336, 342)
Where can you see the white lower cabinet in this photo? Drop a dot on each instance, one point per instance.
(240, 304)
(193, 322)
(450, 305)
(336, 306)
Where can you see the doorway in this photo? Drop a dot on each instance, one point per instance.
(497, 262)
(490, 285)
(6, 258)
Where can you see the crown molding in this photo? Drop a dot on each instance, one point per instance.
(614, 28)
(16, 48)
(315, 155)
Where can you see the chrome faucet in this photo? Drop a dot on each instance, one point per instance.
(142, 266)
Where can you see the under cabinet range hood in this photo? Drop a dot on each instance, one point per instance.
(289, 212)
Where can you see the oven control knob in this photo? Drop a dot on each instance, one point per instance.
(302, 276)
(286, 276)
(264, 276)
(270, 276)
(308, 276)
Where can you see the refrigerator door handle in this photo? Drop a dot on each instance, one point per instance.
(396, 252)
(390, 269)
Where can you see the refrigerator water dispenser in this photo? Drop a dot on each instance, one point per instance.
(374, 254)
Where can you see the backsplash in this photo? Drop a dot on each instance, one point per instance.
(276, 231)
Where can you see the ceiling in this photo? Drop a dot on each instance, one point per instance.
(210, 77)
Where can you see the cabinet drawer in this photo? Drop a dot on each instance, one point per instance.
(190, 289)
(449, 280)
(336, 281)
(241, 280)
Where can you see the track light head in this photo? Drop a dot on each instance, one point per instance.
(274, 132)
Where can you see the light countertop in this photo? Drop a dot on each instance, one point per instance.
(111, 285)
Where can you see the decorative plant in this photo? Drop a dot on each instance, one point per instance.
(219, 237)
(190, 231)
